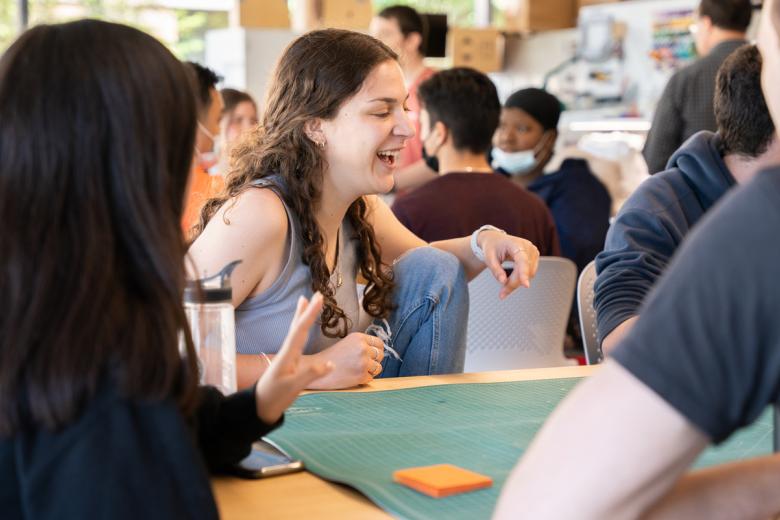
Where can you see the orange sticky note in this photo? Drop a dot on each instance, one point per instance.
(441, 480)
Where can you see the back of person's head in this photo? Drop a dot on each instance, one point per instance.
(466, 102)
(409, 21)
(316, 75)
(206, 81)
(733, 15)
(744, 123)
(96, 136)
(539, 104)
(232, 98)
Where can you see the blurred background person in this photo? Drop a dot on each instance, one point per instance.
(685, 107)
(522, 148)
(239, 116)
(401, 28)
(203, 185)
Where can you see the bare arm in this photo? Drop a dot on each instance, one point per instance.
(612, 339)
(251, 228)
(745, 489)
(631, 447)
(498, 247)
(396, 239)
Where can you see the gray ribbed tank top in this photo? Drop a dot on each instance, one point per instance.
(262, 320)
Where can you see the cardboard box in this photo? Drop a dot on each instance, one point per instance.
(347, 14)
(266, 14)
(583, 3)
(308, 15)
(481, 49)
(540, 15)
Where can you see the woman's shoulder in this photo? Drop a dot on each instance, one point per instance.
(255, 212)
(252, 226)
(256, 201)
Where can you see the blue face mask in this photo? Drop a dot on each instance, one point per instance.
(514, 163)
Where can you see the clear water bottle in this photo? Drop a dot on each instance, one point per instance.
(209, 308)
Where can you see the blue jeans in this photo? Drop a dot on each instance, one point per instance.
(428, 325)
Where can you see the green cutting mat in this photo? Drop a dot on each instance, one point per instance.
(360, 439)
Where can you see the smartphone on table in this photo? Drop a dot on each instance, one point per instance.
(267, 460)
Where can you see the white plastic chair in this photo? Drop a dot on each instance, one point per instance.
(587, 313)
(527, 329)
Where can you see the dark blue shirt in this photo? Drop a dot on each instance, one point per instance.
(651, 226)
(580, 206)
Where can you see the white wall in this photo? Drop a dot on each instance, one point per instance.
(246, 57)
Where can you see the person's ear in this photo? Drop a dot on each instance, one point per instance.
(313, 130)
(704, 23)
(413, 42)
(547, 139)
(442, 133)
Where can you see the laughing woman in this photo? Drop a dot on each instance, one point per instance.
(301, 212)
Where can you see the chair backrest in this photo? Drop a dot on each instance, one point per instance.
(525, 330)
(587, 313)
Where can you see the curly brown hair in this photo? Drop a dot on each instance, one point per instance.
(316, 75)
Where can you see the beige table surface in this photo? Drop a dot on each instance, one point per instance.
(305, 496)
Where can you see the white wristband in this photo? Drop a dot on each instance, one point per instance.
(475, 249)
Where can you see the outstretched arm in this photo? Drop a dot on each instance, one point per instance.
(395, 240)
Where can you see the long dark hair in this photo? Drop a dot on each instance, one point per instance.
(97, 128)
(316, 75)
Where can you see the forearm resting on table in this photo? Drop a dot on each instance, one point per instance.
(249, 368)
(618, 333)
(746, 489)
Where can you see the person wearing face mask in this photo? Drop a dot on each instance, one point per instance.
(523, 145)
(467, 194)
(203, 185)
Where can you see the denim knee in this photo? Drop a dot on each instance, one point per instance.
(433, 268)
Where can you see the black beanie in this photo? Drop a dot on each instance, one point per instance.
(539, 104)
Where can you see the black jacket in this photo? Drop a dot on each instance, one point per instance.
(126, 458)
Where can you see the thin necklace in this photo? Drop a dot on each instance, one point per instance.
(481, 169)
(336, 271)
(469, 169)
